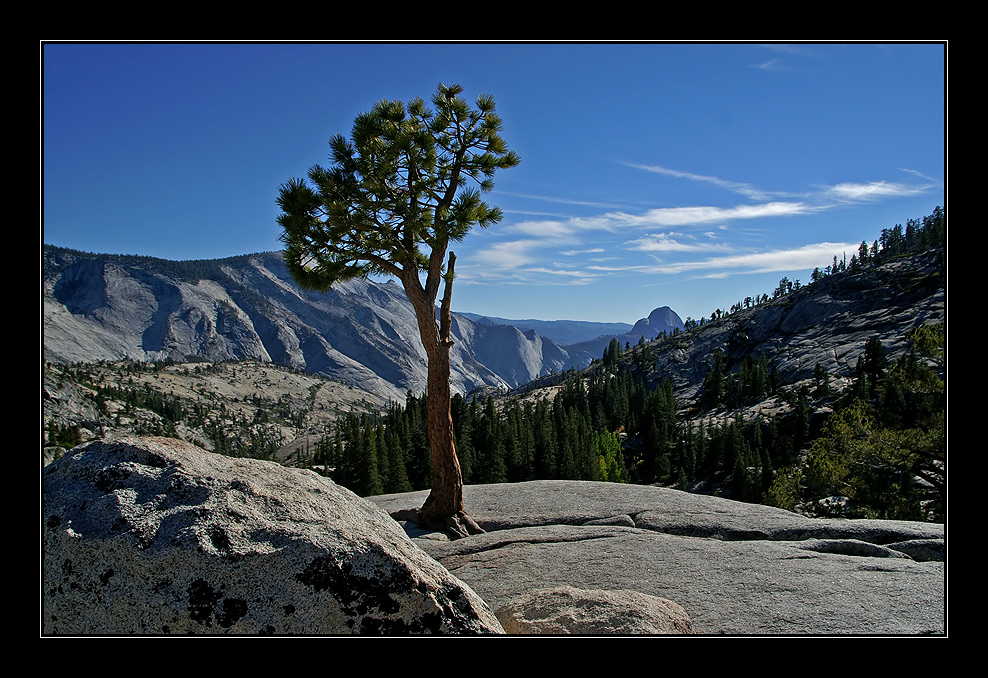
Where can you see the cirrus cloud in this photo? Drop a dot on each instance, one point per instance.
(805, 257)
(872, 190)
(694, 216)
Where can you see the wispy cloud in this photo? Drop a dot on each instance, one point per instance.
(873, 190)
(576, 275)
(693, 216)
(574, 253)
(545, 228)
(536, 242)
(778, 63)
(770, 65)
(555, 250)
(509, 255)
(739, 187)
(560, 200)
(617, 269)
(922, 176)
(844, 191)
(670, 242)
(799, 258)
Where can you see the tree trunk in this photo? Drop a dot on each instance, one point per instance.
(443, 508)
(446, 497)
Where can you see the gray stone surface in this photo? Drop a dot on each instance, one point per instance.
(155, 536)
(735, 568)
(565, 610)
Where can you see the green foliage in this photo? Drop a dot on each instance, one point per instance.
(57, 435)
(612, 354)
(610, 458)
(397, 191)
(552, 439)
(750, 380)
(712, 395)
(884, 450)
(869, 465)
(786, 489)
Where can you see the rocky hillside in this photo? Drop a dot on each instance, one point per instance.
(103, 307)
(820, 327)
(244, 409)
(824, 326)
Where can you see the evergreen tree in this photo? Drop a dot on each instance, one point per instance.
(491, 451)
(874, 364)
(395, 198)
(739, 481)
(544, 433)
(464, 418)
(612, 354)
(822, 380)
(713, 391)
(397, 478)
(801, 433)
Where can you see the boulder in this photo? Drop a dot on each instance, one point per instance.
(565, 610)
(155, 536)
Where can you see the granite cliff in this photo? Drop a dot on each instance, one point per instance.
(113, 307)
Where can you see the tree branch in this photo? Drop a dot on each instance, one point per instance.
(445, 321)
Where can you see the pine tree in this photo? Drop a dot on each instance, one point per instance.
(714, 382)
(396, 197)
(397, 478)
(464, 416)
(546, 445)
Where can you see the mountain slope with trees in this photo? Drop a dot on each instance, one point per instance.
(828, 398)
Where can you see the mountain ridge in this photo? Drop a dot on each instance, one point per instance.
(564, 332)
(247, 307)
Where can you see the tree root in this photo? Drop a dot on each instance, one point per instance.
(457, 526)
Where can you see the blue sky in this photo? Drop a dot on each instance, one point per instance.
(681, 175)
